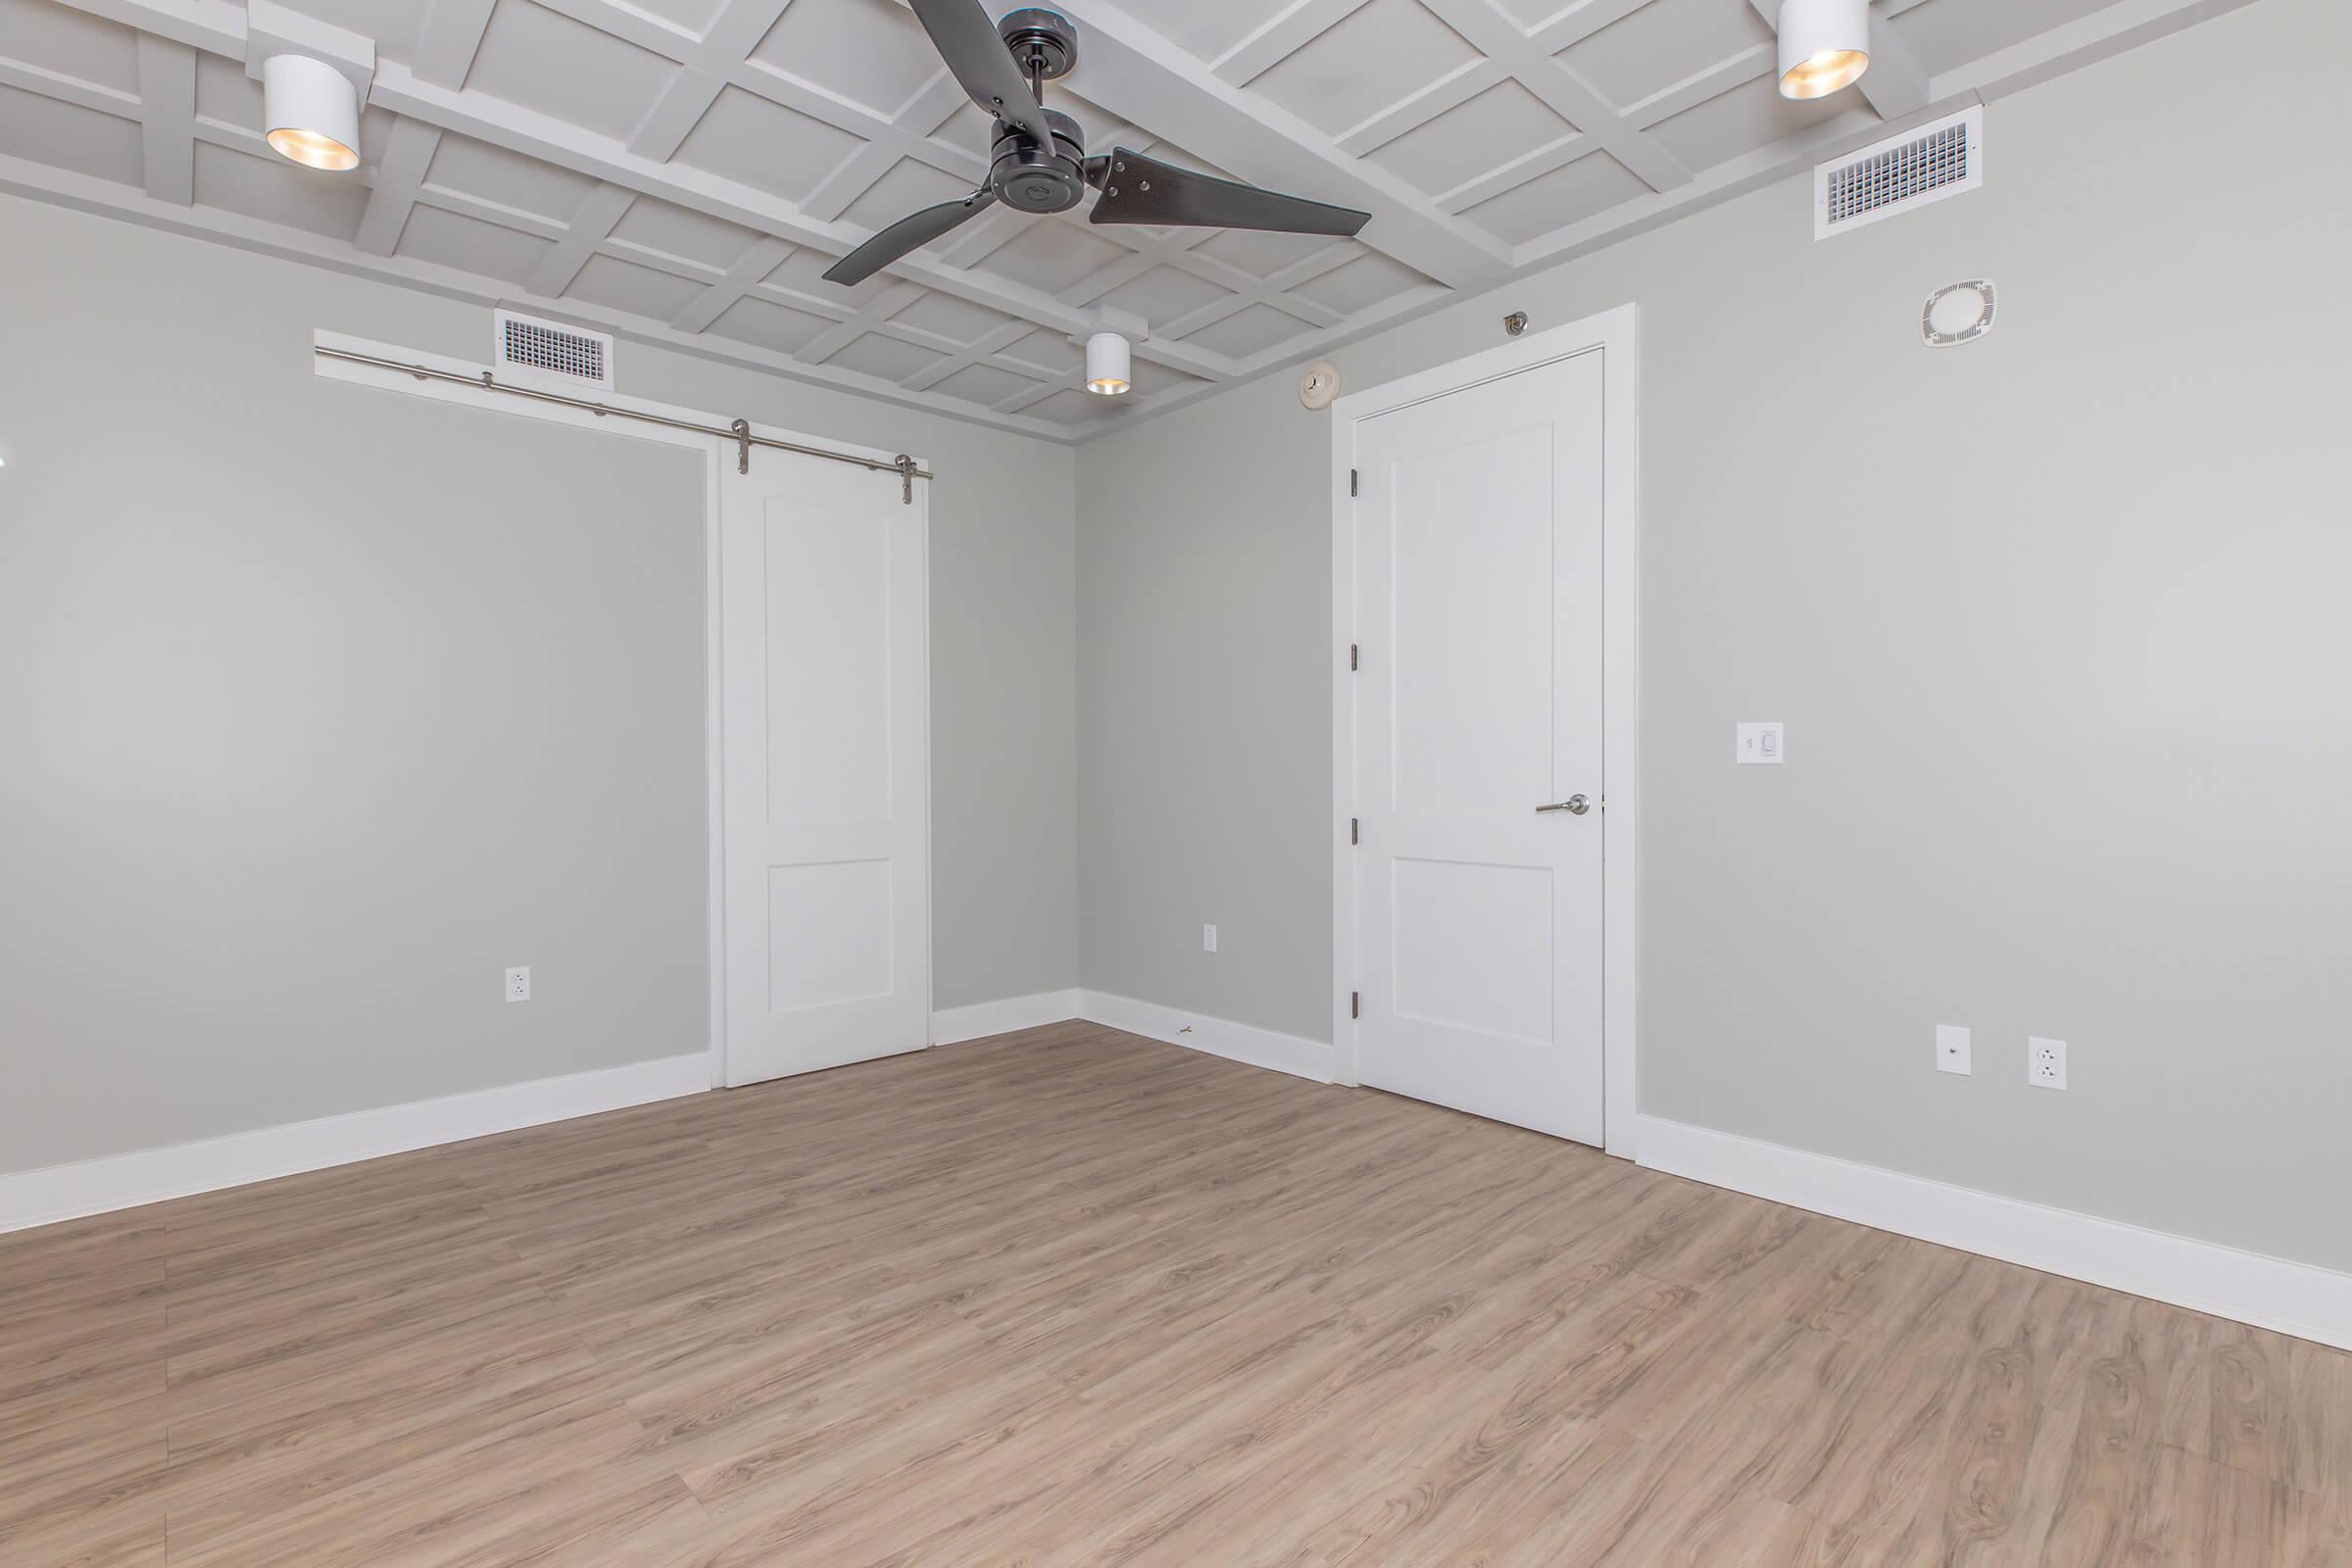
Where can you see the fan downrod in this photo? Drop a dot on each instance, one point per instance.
(1044, 44)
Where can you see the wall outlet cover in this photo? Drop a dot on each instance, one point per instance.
(1952, 1053)
(1761, 743)
(2045, 1063)
(1208, 938)
(518, 985)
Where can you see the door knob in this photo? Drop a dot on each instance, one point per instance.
(1574, 806)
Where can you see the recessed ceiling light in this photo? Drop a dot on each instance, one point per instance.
(1825, 46)
(313, 113)
(1106, 365)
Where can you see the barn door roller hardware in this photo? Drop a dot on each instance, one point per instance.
(739, 433)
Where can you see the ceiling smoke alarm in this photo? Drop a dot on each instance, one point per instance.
(1318, 386)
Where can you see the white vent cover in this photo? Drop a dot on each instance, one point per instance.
(550, 355)
(1900, 174)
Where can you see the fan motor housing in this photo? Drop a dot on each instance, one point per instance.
(1041, 179)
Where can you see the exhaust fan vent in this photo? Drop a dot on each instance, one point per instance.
(552, 356)
(1900, 174)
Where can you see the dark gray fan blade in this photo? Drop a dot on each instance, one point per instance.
(1144, 190)
(908, 233)
(969, 43)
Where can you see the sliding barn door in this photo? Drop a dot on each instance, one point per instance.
(824, 674)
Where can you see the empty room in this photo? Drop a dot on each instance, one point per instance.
(1199, 783)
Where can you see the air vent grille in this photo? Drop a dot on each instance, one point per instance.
(551, 354)
(1910, 170)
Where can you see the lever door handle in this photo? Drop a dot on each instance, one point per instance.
(1574, 806)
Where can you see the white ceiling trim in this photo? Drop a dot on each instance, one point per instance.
(1216, 321)
(1157, 84)
(1567, 94)
(64, 187)
(168, 118)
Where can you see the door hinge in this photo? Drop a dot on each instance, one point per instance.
(1356, 830)
(1356, 1004)
(1355, 484)
(1355, 655)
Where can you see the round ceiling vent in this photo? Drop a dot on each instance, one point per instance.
(1959, 313)
(1319, 386)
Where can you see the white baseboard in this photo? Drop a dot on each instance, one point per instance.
(151, 1175)
(1294, 1055)
(954, 1025)
(2297, 1298)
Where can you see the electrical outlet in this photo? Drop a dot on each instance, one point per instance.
(1952, 1050)
(2045, 1063)
(518, 985)
(1761, 744)
(1208, 938)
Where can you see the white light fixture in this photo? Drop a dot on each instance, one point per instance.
(1106, 365)
(311, 111)
(1825, 46)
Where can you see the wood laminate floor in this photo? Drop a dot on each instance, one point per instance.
(1072, 1297)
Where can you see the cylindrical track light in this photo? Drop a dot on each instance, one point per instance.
(1825, 46)
(1106, 365)
(311, 111)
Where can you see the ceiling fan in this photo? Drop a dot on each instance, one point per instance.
(1039, 162)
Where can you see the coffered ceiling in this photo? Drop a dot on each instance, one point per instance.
(680, 172)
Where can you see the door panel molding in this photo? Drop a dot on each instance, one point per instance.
(1612, 335)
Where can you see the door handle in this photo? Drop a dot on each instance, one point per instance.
(1574, 806)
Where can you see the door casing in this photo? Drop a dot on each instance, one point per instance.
(1613, 334)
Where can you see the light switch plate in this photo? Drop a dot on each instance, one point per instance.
(1952, 1050)
(1761, 743)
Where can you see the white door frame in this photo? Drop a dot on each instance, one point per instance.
(1613, 333)
(714, 451)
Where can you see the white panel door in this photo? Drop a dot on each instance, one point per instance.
(824, 659)
(1477, 704)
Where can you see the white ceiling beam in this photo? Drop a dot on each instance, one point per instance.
(1288, 30)
(450, 37)
(863, 168)
(741, 25)
(1450, 91)
(590, 226)
(1564, 30)
(1533, 164)
(881, 308)
(470, 111)
(168, 118)
(1157, 84)
(1494, 34)
(674, 115)
(70, 89)
(766, 254)
(216, 27)
(1701, 86)
(2070, 46)
(400, 169)
(977, 352)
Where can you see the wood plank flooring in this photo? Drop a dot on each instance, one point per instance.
(1074, 1297)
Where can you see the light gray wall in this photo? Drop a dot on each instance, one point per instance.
(2056, 623)
(320, 706)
